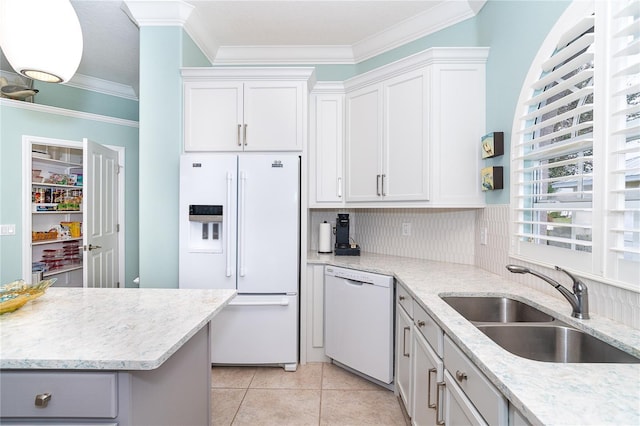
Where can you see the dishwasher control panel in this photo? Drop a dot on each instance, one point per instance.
(360, 276)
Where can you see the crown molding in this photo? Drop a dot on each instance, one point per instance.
(84, 82)
(434, 55)
(428, 22)
(99, 85)
(10, 103)
(157, 13)
(303, 74)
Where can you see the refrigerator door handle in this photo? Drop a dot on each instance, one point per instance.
(241, 230)
(228, 224)
(282, 302)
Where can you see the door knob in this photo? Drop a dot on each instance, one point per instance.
(92, 247)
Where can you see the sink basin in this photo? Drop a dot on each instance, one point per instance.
(495, 309)
(555, 344)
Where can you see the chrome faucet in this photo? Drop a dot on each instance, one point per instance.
(579, 299)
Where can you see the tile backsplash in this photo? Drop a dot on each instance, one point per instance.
(454, 236)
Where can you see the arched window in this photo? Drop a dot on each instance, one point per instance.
(575, 163)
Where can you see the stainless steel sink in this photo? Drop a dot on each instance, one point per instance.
(495, 309)
(553, 343)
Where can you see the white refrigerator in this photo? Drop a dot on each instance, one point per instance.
(239, 229)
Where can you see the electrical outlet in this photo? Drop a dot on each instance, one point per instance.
(483, 236)
(406, 229)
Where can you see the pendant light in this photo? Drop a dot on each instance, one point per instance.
(41, 39)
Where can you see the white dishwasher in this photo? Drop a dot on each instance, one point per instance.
(358, 320)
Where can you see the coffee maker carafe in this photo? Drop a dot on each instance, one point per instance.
(343, 246)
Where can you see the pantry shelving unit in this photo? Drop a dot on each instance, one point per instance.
(56, 197)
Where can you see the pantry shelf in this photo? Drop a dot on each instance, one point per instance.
(57, 240)
(62, 270)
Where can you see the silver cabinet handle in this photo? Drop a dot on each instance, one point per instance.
(245, 134)
(421, 323)
(429, 404)
(378, 185)
(383, 193)
(461, 375)
(239, 141)
(401, 297)
(439, 420)
(404, 342)
(339, 187)
(42, 400)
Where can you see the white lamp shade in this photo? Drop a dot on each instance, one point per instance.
(41, 39)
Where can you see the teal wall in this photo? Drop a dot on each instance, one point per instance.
(161, 56)
(16, 122)
(63, 96)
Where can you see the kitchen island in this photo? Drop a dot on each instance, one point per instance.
(109, 356)
(543, 392)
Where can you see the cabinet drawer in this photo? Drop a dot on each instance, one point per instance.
(484, 396)
(404, 300)
(428, 328)
(90, 395)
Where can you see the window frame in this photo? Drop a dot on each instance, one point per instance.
(599, 263)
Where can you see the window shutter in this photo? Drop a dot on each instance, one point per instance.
(554, 182)
(623, 242)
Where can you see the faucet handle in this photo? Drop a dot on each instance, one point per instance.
(578, 286)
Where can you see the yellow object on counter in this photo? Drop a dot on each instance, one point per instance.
(16, 294)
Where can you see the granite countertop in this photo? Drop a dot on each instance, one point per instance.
(544, 392)
(105, 329)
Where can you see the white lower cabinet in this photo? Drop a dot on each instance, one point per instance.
(404, 371)
(469, 393)
(427, 370)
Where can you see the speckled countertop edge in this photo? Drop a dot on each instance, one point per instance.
(545, 393)
(105, 329)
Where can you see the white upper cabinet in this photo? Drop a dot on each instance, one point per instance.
(245, 109)
(413, 129)
(364, 144)
(326, 182)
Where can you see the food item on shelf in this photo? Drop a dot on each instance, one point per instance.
(51, 234)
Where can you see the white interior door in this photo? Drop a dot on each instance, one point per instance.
(100, 215)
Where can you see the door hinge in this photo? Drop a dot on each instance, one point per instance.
(118, 227)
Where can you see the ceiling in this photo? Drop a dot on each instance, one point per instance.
(294, 31)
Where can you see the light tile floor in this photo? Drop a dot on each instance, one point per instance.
(316, 394)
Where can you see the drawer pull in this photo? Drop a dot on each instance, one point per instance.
(440, 386)
(401, 297)
(42, 400)
(421, 323)
(404, 342)
(461, 375)
(429, 404)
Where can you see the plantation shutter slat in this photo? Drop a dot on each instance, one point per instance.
(624, 170)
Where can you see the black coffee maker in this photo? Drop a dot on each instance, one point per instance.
(343, 246)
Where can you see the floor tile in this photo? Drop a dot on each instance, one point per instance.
(224, 405)
(360, 408)
(334, 377)
(232, 377)
(307, 376)
(266, 407)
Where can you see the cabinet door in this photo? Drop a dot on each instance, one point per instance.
(327, 142)
(213, 116)
(457, 118)
(363, 145)
(427, 372)
(406, 145)
(403, 357)
(273, 116)
(458, 410)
